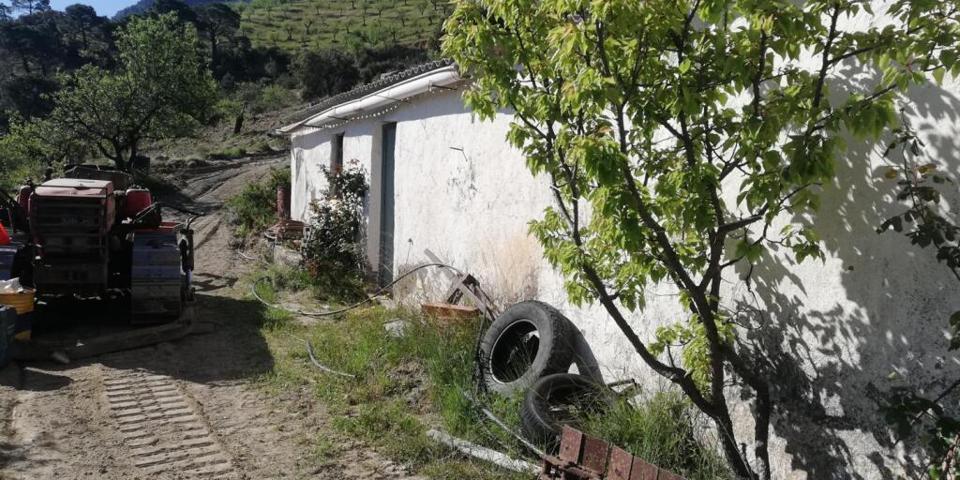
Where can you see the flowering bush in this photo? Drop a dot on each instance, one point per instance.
(332, 247)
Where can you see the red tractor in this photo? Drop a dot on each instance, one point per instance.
(94, 234)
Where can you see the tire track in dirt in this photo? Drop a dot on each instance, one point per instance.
(162, 430)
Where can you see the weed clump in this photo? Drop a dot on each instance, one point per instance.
(229, 153)
(425, 375)
(254, 209)
(661, 430)
(404, 385)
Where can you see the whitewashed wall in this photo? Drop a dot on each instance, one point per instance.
(875, 306)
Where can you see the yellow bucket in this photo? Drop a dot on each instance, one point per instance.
(21, 302)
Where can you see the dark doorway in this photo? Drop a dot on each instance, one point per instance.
(336, 154)
(387, 202)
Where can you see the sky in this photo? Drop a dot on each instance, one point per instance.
(104, 8)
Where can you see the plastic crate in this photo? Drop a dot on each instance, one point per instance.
(156, 291)
(155, 273)
(156, 257)
(7, 254)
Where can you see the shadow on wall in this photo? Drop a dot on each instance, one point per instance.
(833, 361)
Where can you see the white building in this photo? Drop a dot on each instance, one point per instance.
(447, 187)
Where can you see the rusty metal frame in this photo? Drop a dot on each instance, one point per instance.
(468, 286)
(583, 457)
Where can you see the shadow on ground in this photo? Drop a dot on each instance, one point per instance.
(235, 350)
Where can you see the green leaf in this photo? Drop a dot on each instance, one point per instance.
(938, 75)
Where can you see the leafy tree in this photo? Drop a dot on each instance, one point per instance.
(246, 63)
(218, 22)
(34, 40)
(30, 6)
(646, 115)
(183, 12)
(4, 12)
(161, 89)
(29, 148)
(325, 72)
(30, 95)
(374, 62)
(83, 23)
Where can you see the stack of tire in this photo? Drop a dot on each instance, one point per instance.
(529, 349)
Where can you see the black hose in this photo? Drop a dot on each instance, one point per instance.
(316, 363)
(500, 423)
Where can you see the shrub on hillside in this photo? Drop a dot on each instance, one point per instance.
(254, 209)
(275, 97)
(258, 97)
(376, 61)
(325, 72)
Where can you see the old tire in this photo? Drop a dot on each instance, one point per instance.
(558, 400)
(529, 340)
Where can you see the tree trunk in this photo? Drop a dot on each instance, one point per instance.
(213, 51)
(238, 122)
(25, 63)
(133, 155)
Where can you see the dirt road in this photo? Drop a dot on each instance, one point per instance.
(184, 409)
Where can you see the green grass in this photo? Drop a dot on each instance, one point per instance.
(338, 24)
(348, 290)
(402, 386)
(661, 431)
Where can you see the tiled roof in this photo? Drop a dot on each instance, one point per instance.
(365, 89)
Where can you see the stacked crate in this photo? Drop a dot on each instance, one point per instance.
(70, 220)
(7, 255)
(156, 276)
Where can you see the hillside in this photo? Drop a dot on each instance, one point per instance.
(335, 24)
(144, 5)
(340, 24)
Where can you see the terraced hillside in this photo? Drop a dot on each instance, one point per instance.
(299, 24)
